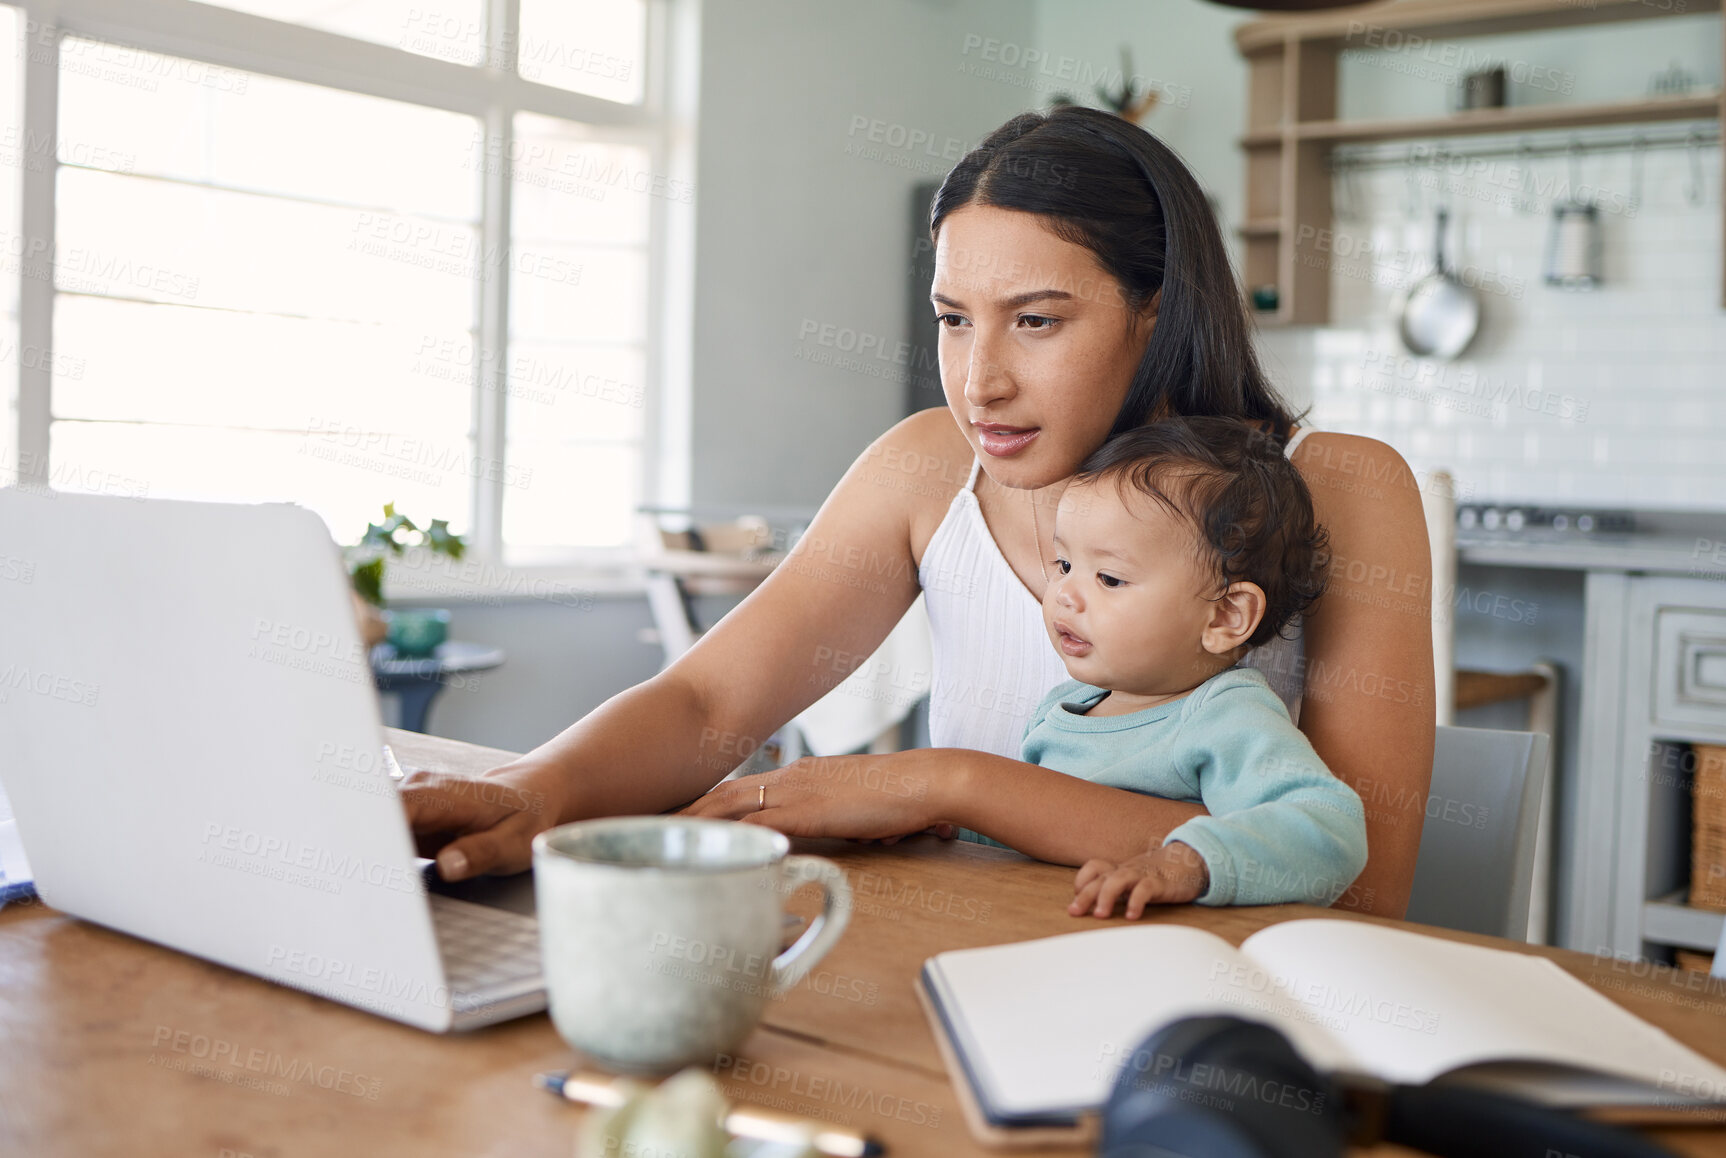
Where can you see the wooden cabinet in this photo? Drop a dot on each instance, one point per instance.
(1292, 126)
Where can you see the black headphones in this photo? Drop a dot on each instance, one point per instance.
(1226, 1087)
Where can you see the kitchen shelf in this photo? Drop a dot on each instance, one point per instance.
(1526, 119)
(1449, 19)
(1292, 124)
(1667, 920)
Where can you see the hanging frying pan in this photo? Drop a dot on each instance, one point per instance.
(1441, 314)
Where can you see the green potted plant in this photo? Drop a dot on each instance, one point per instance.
(1126, 102)
(416, 632)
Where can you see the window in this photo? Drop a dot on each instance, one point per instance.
(588, 46)
(16, 151)
(578, 334)
(246, 274)
(451, 30)
(278, 284)
(596, 47)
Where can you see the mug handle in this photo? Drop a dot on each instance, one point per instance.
(791, 966)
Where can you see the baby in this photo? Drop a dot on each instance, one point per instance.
(1180, 547)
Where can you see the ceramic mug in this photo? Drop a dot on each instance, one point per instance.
(660, 935)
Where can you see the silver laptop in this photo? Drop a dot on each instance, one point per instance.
(190, 738)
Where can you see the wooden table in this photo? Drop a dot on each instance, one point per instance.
(113, 1046)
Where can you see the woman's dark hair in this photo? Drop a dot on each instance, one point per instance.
(1106, 184)
(1248, 504)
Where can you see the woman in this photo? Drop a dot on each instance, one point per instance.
(1081, 288)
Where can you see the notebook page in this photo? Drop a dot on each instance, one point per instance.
(1046, 1024)
(1409, 1007)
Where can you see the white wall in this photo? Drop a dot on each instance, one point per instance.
(1598, 63)
(562, 660)
(1609, 398)
(803, 221)
(1185, 49)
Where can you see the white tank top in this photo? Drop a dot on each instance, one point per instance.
(993, 659)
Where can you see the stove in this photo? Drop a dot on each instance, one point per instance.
(1506, 520)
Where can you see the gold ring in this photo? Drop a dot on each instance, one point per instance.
(761, 798)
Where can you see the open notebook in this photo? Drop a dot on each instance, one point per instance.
(1040, 1028)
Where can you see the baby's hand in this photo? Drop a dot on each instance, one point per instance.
(1172, 875)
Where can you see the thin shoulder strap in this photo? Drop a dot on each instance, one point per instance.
(976, 465)
(1296, 440)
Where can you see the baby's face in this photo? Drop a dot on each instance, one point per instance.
(1126, 604)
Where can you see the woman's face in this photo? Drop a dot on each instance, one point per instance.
(1037, 343)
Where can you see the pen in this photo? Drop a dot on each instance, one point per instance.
(743, 1121)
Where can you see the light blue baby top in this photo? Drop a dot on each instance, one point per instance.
(1281, 827)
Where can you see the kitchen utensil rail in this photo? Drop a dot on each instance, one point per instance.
(1351, 157)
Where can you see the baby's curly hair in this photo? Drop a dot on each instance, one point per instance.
(1246, 500)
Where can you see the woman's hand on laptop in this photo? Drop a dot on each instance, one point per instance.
(482, 824)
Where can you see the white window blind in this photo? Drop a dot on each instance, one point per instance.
(245, 283)
(267, 288)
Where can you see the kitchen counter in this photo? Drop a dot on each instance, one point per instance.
(1695, 556)
(1691, 544)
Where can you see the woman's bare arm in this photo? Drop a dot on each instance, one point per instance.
(1369, 708)
(666, 741)
(1038, 811)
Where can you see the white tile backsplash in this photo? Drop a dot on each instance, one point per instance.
(1614, 397)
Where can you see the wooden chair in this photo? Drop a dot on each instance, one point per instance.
(710, 559)
(733, 558)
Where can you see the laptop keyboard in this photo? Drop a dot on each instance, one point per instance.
(483, 946)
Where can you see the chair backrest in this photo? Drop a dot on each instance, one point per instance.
(1438, 504)
(1476, 865)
